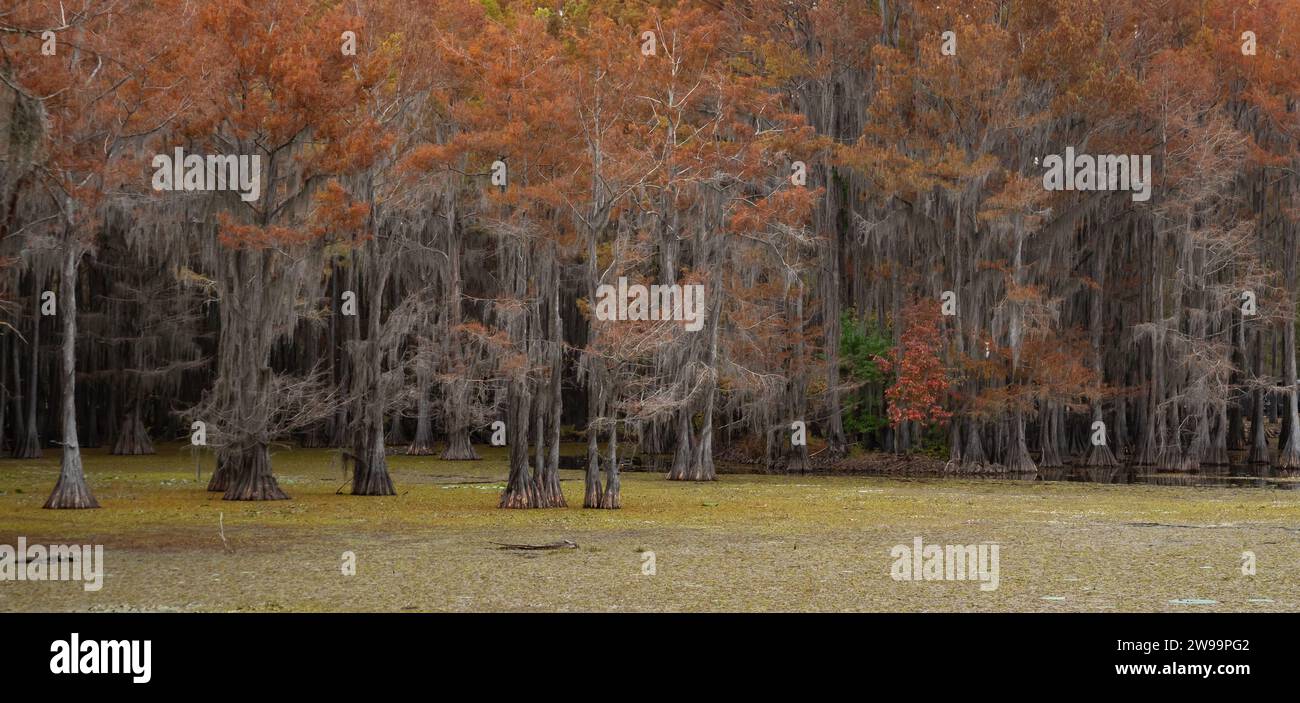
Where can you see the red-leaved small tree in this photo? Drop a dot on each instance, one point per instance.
(920, 378)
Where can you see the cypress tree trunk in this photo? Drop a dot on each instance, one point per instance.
(252, 299)
(16, 396)
(1099, 454)
(1121, 435)
(537, 438)
(248, 474)
(701, 467)
(456, 397)
(1018, 460)
(1289, 457)
(4, 388)
(1152, 433)
(549, 493)
(1260, 452)
(1191, 459)
(1216, 451)
(836, 444)
(422, 443)
(370, 465)
(396, 432)
(220, 480)
(972, 457)
(338, 376)
(1049, 456)
(1236, 424)
(592, 492)
(71, 490)
(308, 344)
(1171, 457)
(28, 446)
(954, 441)
(519, 491)
(612, 499)
(685, 446)
(459, 448)
(1284, 432)
(794, 457)
(133, 436)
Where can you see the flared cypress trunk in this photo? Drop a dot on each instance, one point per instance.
(1152, 432)
(459, 447)
(422, 443)
(549, 490)
(1049, 454)
(519, 491)
(1100, 454)
(1171, 449)
(220, 480)
(592, 491)
(1191, 459)
(133, 436)
(71, 490)
(257, 288)
(954, 443)
(972, 457)
(1260, 451)
(249, 474)
(791, 457)
(397, 433)
(370, 465)
(1018, 460)
(1216, 450)
(612, 498)
(684, 449)
(700, 466)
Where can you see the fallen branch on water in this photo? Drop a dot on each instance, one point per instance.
(562, 544)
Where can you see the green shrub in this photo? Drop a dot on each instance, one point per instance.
(861, 343)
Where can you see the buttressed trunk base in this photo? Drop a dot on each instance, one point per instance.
(249, 476)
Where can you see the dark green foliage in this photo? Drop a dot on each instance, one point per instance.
(861, 344)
